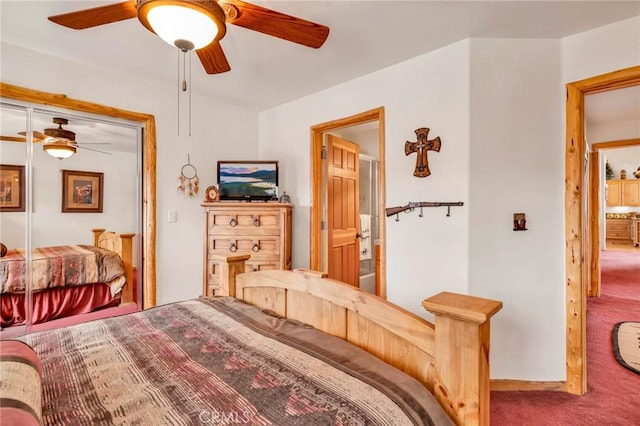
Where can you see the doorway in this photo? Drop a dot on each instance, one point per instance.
(578, 226)
(319, 239)
(596, 202)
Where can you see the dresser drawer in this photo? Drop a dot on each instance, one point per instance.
(259, 247)
(619, 229)
(244, 223)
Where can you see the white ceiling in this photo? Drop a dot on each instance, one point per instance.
(365, 36)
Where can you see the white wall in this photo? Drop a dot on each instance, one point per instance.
(215, 125)
(601, 50)
(517, 166)
(623, 159)
(424, 255)
(613, 131)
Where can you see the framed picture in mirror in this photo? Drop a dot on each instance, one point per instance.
(82, 192)
(12, 188)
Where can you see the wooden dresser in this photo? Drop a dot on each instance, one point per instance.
(260, 229)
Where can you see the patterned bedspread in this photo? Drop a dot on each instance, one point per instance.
(216, 362)
(61, 266)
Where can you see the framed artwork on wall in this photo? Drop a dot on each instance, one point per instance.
(82, 192)
(12, 188)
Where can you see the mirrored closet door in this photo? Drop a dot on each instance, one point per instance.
(69, 174)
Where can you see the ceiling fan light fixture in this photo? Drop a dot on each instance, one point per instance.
(59, 149)
(197, 22)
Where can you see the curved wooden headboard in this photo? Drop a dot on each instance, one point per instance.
(451, 358)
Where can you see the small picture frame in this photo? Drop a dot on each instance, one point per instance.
(12, 188)
(519, 222)
(82, 192)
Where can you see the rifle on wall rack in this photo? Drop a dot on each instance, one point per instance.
(412, 205)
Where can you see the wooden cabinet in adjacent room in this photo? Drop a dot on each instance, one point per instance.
(619, 231)
(623, 192)
(630, 192)
(614, 195)
(261, 229)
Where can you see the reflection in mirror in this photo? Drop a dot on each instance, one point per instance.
(103, 170)
(13, 222)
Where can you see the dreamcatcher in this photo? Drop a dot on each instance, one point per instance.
(188, 179)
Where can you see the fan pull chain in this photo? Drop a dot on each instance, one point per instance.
(190, 93)
(178, 103)
(184, 86)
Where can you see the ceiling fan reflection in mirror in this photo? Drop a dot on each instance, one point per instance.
(199, 24)
(57, 142)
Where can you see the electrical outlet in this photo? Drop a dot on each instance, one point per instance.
(173, 216)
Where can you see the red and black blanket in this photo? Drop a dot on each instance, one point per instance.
(219, 361)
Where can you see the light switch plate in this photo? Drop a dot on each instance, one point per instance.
(173, 216)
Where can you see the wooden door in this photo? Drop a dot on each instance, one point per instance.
(343, 212)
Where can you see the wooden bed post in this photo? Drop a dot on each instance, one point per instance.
(230, 266)
(123, 245)
(462, 354)
(96, 235)
(127, 257)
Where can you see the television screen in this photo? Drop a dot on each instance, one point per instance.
(248, 180)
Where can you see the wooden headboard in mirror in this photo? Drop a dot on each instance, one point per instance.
(147, 121)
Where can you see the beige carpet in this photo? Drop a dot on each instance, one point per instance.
(626, 345)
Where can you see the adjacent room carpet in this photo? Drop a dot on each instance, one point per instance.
(626, 345)
(613, 391)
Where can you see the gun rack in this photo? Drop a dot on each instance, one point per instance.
(411, 206)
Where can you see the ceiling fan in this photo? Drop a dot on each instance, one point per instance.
(58, 142)
(199, 24)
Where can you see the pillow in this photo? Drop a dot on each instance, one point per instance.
(21, 372)
(3, 250)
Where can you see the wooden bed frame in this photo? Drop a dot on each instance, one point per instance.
(123, 245)
(451, 358)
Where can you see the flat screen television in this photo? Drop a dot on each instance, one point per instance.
(248, 180)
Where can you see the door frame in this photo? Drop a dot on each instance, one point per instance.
(579, 260)
(317, 134)
(594, 288)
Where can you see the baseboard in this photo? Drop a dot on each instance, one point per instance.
(526, 385)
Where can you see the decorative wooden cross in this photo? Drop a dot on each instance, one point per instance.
(421, 147)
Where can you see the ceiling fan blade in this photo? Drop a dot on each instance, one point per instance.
(37, 136)
(12, 139)
(93, 17)
(213, 59)
(274, 23)
(94, 150)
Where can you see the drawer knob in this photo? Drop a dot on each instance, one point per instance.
(233, 222)
(256, 221)
(256, 247)
(254, 269)
(233, 247)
